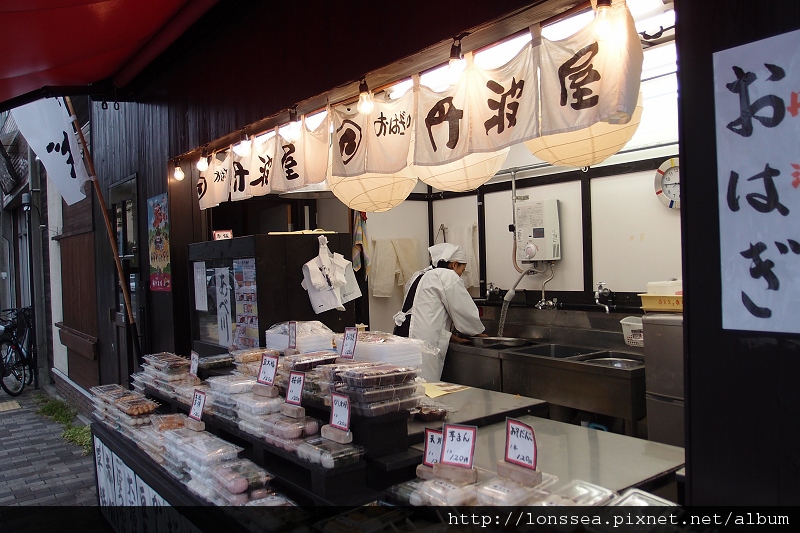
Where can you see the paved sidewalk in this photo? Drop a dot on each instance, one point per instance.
(37, 467)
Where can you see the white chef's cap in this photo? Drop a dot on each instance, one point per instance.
(447, 252)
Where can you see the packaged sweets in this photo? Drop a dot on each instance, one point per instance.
(241, 475)
(328, 453)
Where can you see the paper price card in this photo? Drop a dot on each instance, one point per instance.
(349, 343)
(520, 444)
(433, 447)
(294, 394)
(340, 411)
(267, 370)
(198, 402)
(458, 447)
(293, 335)
(195, 362)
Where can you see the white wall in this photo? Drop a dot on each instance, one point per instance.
(635, 237)
(54, 216)
(499, 241)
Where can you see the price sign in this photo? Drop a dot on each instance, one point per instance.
(195, 363)
(340, 411)
(294, 394)
(266, 372)
(349, 343)
(458, 447)
(293, 335)
(433, 447)
(520, 444)
(198, 402)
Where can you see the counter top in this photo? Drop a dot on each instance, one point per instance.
(478, 407)
(570, 452)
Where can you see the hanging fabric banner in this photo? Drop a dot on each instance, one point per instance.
(240, 176)
(442, 129)
(213, 184)
(47, 127)
(262, 156)
(593, 75)
(302, 162)
(349, 150)
(389, 133)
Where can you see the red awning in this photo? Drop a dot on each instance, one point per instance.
(52, 44)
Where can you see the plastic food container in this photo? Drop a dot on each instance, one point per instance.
(632, 330)
(224, 498)
(378, 376)
(231, 384)
(257, 405)
(272, 500)
(166, 361)
(329, 454)
(251, 428)
(131, 421)
(215, 361)
(212, 450)
(640, 498)
(575, 492)
(379, 394)
(382, 408)
(283, 426)
(241, 476)
(287, 444)
(502, 491)
(163, 376)
(401, 493)
(136, 406)
(307, 361)
(111, 393)
(251, 355)
(329, 371)
(179, 438)
(440, 492)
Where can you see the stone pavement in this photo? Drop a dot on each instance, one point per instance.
(37, 467)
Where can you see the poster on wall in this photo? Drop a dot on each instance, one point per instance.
(244, 276)
(158, 243)
(757, 122)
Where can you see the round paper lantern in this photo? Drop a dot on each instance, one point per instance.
(374, 193)
(466, 174)
(588, 146)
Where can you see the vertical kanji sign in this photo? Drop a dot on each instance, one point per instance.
(757, 122)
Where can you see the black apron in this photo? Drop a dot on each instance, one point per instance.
(402, 331)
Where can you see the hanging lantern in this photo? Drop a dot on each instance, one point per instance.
(374, 193)
(466, 174)
(588, 146)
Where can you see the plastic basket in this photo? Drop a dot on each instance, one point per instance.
(632, 331)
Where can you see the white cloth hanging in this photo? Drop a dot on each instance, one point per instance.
(466, 238)
(213, 186)
(329, 280)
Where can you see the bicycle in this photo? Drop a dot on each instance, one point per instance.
(15, 369)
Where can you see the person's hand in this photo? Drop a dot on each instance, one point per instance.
(482, 335)
(459, 340)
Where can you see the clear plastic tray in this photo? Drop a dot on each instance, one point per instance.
(272, 500)
(307, 361)
(179, 438)
(215, 361)
(640, 498)
(441, 492)
(329, 454)
(401, 493)
(576, 492)
(130, 421)
(225, 498)
(251, 355)
(287, 444)
(111, 393)
(257, 405)
(231, 384)
(382, 408)
(163, 376)
(283, 426)
(378, 376)
(248, 369)
(212, 451)
(380, 394)
(241, 476)
(505, 492)
(136, 406)
(165, 422)
(329, 372)
(165, 360)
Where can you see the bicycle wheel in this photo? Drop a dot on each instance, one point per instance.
(14, 373)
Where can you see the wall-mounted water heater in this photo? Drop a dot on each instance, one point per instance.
(538, 231)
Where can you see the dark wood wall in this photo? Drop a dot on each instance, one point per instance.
(742, 388)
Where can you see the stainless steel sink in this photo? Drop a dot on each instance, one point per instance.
(556, 351)
(615, 362)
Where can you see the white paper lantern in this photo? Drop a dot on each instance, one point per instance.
(466, 174)
(374, 193)
(588, 146)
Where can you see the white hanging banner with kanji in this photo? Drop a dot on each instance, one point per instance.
(262, 156)
(301, 162)
(213, 185)
(442, 128)
(349, 146)
(389, 133)
(592, 76)
(240, 176)
(47, 127)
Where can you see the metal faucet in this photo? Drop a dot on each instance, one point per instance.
(544, 303)
(602, 291)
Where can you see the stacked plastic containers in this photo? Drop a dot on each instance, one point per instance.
(376, 346)
(248, 361)
(121, 409)
(576, 492)
(164, 371)
(506, 492)
(312, 336)
(222, 400)
(380, 389)
(306, 363)
(329, 379)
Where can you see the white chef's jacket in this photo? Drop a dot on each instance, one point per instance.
(441, 301)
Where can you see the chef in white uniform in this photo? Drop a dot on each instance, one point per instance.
(435, 301)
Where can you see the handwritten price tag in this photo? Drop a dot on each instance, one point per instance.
(198, 402)
(458, 448)
(340, 411)
(195, 363)
(349, 343)
(294, 394)
(433, 447)
(266, 372)
(520, 444)
(293, 335)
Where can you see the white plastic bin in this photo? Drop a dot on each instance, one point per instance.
(632, 331)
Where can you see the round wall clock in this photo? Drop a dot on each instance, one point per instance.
(668, 183)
